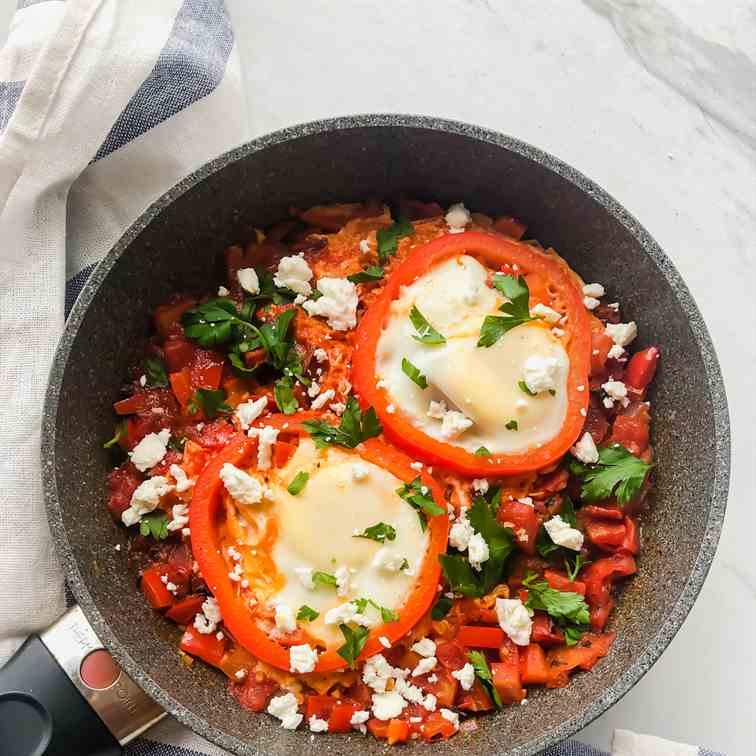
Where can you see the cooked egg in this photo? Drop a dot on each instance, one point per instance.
(315, 531)
(473, 392)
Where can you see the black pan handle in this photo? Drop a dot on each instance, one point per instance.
(62, 694)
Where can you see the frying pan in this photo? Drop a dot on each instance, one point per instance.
(176, 245)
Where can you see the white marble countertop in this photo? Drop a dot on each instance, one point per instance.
(655, 101)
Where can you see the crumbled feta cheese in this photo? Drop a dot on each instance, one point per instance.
(342, 581)
(223, 291)
(429, 702)
(359, 718)
(344, 614)
(150, 450)
(206, 621)
(615, 389)
(454, 424)
(285, 621)
(432, 678)
(409, 692)
(557, 332)
(247, 412)
(285, 708)
(590, 303)
(622, 334)
(377, 672)
(179, 517)
(480, 485)
(526, 500)
(466, 676)
(457, 216)
(384, 641)
(320, 355)
(594, 290)
(117, 547)
(337, 408)
(142, 380)
(248, 280)
(387, 705)
(183, 483)
(294, 273)
(477, 551)
(219, 635)
(317, 725)
(266, 437)
(416, 466)
(562, 534)
(305, 577)
(549, 314)
(313, 390)
(302, 658)
(436, 410)
(585, 450)
(320, 401)
(514, 620)
(390, 408)
(240, 674)
(539, 373)
(452, 716)
(608, 403)
(360, 471)
(338, 303)
(145, 499)
(425, 647)
(364, 246)
(424, 666)
(461, 531)
(241, 485)
(615, 352)
(385, 559)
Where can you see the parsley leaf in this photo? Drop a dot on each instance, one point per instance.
(155, 372)
(617, 473)
(524, 388)
(354, 643)
(418, 496)
(300, 481)
(154, 524)
(441, 608)
(426, 333)
(573, 570)
(572, 634)
(388, 238)
(210, 401)
(215, 322)
(414, 373)
(483, 672)
(387, 615)
(355, 427)
(380, 532)
(324, 579)
(561, 605)
(368, 275)
(278, 347)
(121, 430)
(283, 393)
(307, 614)
(481, 451)
(512, 425)
(516, 309)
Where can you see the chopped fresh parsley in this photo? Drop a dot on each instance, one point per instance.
(404, 565)
(441, 608)
(568, 608)
(300, 481)
(354, 642)
(517, 309)
(512, 425)
(368, 275)
(573, 570)
(215, 322)
(524, 388)
(426, 333)
(483, 672)
(380, 532)
(414, 373)
(325, 579)
(617, 473)
(307, 614)
(279, 348)
(154, 524)
(388, 238)
(355, 427)
(212, 402)
(154, 370)
(387, 615)
(481, 451)
(121, 430)
(460, 575)
(283, 393)
(418, 496)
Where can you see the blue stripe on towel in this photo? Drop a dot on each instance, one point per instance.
(10, 91)
(190, 67)
(74, 286)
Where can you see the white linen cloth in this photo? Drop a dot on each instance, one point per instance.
(104, 105)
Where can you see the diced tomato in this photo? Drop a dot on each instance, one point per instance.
(340, 718)
(595, 422)
(631, 428)
(506, 673)
(158, 402)
(642, 368)
(543, 631)
(475, 699)
(601, 343)
(444, 687)
(153, 588)
(122, 482)
(168, 316)
(206, 369)
(398, 731)
(319, 706)
(181, 385)
(282, 453)
(437, 727)
(631, 544)
(604, 534)
(451, 655)
(254, 694)
(178, 354)
(593, 511)
(378, 728)
(472, 636)
(525, 522)
(205, 647)
(546, 486)
(510, 226)
(360, 694)
(183, 611)
(560, 582)
(533, 669)
(598, 578)
(215, 435)
(561, 661)
(416, 210)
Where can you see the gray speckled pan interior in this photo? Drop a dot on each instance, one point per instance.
(177, 244)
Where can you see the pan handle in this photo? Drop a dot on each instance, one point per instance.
(63, 694)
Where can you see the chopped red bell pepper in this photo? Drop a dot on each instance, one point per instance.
(340, 719)
(631, 544)
(606, 535)
(205, 647)
(398, 731)
(642, 368)
(437, 727)
(598, 578)
(154, 589)
(543, 631)
(475, 699)
(510, 226)
(168, 316)
(561, 661)
(183, 611)
(472, 636)
(178, 354)
(506, 673)
(525, 522)
(451, 655)
(533, 669)
(560, 582)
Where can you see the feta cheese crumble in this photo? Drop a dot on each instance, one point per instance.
(294, 273)
(563, 534)
(424, 666)
(387, 705)
(457, 217)
(183, 483)
(150, 450)
(461, 531)
(266, 438)
(320, 355)
(451, 716)
(388, 561)
(622, 334)
(285, 708)
(585, 450)
(549, 314)
(285, 621)
(338, 303)
(305, 577)
(425, 647)
(615, 390)
(615, 352)
(248, 280)
(344, 614)
(466, 676)
(322, 399)
(477, 551)
(317, 725)
(480, 485)
(539, 373)
(342, 581)
(514, 620)
(223, 291)
(594, 290)
(241, 485)
(302, 658)
(247, 412)
(360, 471)
(145, 499)
(206, 621)
(364, 246)
(590, 303)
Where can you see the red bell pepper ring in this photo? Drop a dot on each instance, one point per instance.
(599, 578)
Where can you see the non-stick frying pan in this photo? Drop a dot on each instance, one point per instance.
(176, 246)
